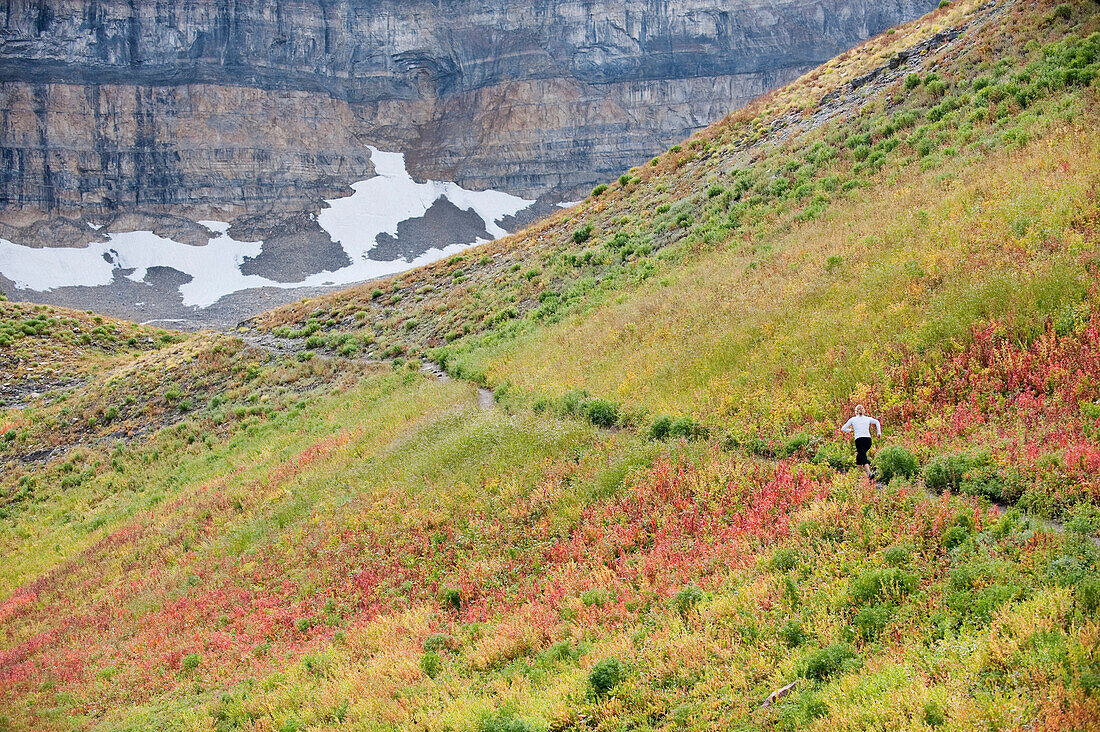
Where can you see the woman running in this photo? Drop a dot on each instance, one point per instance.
(860, 425)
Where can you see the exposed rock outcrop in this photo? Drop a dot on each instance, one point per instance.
(217, 108)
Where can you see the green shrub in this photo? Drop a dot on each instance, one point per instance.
(437, 642)
(793, 634)
(321, 665)
(882, 585)
(687, 598)
(784, 560)
(1087, 593)
(505, 723)
(828, 662)
(602, 413)
(560, 651)
(715, 191)
(581, 235)
(870, 621)
(686, 427)
(293, 725)
(660, 428)
(451, 598)
(979, 605)
(430, 664)
(985, 480)
(599, 190)
(895, 460)
(605, 676)
(573, 402)
(934, 716)
(796, 443)
(760, 447)
(896, 556)
(836, 457)
(954, 536)
(190, 662)
(1084, 518)
(912, 82)
(625, 179)
(945, 472)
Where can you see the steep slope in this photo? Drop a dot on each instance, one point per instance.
(655, 527)
(820, 248)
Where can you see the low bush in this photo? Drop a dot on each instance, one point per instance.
(985, 480)
(794, 444)
(605, 676)
(686, 427)
(660, 428)
(895, 461)
(934, 715)
(978, 605)
(784, 560)
(438, 642)
(793, 634)
(896, 556)
(760, 447)
(945, 472)
(1084, 518)
(451, 598)
(835, 456)
(430, 664)
(831, 661)
(882, 585)
(687, 598)
(870, 621)
(505, 723)
(1087, 594)
(602, 413)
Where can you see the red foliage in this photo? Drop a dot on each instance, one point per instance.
(1032, 405)
(247, 615)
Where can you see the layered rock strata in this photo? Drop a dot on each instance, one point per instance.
(219, 108)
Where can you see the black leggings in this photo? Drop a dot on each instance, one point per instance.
(863, 444)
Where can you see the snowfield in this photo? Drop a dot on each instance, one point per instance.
(376, 206)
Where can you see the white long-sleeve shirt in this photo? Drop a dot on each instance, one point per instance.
(861, 425)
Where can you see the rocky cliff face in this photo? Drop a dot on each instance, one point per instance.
(234, 107)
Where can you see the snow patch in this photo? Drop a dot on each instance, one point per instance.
(376, 206)
(379, 204)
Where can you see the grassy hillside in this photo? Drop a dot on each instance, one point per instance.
(657, 526)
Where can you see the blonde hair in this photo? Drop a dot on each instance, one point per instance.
(859, 410)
